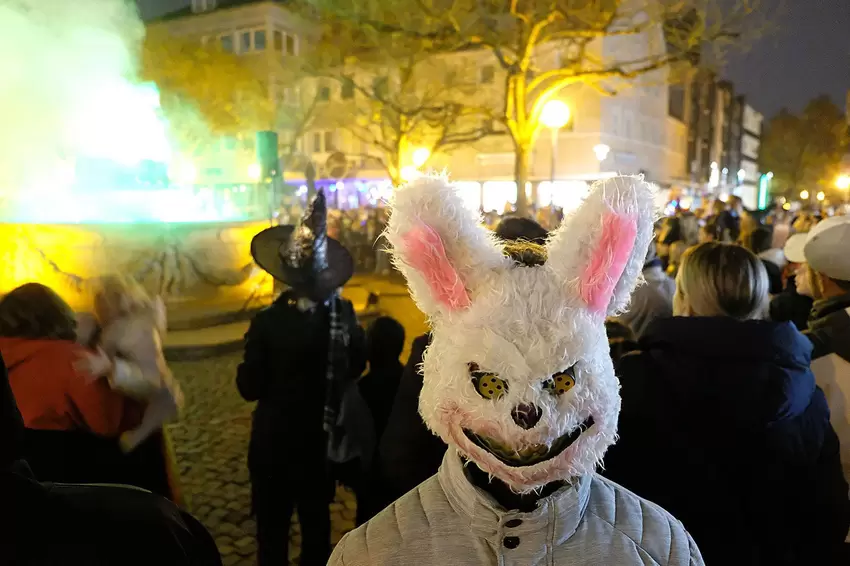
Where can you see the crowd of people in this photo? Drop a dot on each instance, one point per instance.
(733, 361)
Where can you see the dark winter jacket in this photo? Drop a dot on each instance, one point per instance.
(722, 425)
(283, 369)
(791, 306)
(384, 343)
(47, 524)
(829, 331)
(409, 452)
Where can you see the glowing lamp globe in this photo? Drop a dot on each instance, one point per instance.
(804, 194)
(843, 182)
(420, 156)
(555, 114)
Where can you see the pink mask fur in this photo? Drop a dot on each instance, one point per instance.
(608, 260)
(427, 255)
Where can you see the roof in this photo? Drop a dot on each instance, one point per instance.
(187, 11)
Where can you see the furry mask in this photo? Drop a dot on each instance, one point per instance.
(518, 376)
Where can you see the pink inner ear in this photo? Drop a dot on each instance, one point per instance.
(608, 260)
(424, 251)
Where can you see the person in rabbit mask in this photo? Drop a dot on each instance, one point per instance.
(519, 382)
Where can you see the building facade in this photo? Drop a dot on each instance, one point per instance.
(632, 132)
(724, 134)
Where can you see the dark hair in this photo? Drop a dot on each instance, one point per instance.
(759, 240)
(385, 339)
(36, 312)
(513, 228)
(712, 227)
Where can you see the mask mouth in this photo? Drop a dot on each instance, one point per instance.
(530, 455)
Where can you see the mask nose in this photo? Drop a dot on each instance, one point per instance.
(526, 415)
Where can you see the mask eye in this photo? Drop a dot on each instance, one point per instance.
(561, 382)
(487, 383)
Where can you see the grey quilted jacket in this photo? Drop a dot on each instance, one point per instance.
(447, 521)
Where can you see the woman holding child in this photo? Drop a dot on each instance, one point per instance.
(72, 409)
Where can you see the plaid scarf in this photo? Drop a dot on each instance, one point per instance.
(337, 370)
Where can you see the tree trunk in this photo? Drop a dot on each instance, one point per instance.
(521, 175)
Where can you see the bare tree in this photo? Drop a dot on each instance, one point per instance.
(402, 103)
(595, 41)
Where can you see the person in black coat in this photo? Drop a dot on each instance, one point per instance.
(47, 523)
(384, 343)
(722, 423)
(408, 453)
(302, 355)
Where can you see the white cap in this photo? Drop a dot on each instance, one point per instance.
(826, 248)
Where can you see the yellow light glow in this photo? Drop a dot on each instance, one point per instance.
(821, 195)
(843, 182)
(786, 206)
(409, 173)
(420, 156)
(254, 172)
(804, 195)
(555, 114)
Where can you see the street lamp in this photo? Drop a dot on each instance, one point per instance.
(555, 115)
(804, 195)
(843, 182)
(821, 195)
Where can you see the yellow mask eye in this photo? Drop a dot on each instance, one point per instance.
(487, 384)
(561, 382)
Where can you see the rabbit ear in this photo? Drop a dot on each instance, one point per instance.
(600, 249)
(440, 245)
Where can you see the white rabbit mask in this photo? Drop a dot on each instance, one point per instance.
(518, 375)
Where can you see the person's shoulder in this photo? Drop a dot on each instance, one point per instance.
(647, 525)
(393, 535)
(121, 517)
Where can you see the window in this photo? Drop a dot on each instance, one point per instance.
(323, 93)
(291, 46)
(380, 87)
(202, 5)
(278, 40)
(488, 73)
(245, 43)
(227, 42)
(347, 91)
(317, 142)
(329, 142)
(260, 39)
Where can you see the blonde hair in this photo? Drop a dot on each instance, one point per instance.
(117, 296)
(718, 279)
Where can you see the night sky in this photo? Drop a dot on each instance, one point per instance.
(808, 55)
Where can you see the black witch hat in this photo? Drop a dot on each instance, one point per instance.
(303, 256)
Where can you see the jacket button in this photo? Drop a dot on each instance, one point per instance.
(513, 523)
(511, 542)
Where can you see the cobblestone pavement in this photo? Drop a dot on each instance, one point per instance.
(211, 442)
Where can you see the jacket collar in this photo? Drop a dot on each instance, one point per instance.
(824, 309)
(559, 514)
